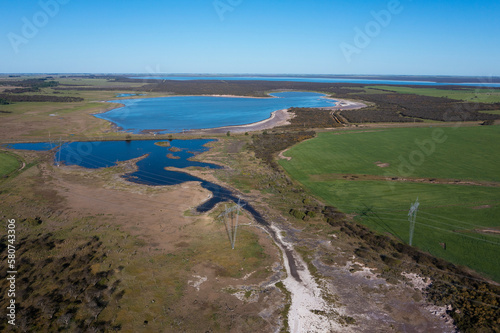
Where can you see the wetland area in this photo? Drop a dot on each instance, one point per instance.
(142, 190)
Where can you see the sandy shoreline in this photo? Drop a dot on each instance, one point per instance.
(344, 104)
(234, 96)
(277, 118)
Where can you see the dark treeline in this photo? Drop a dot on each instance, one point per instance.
(9, 98)
(30, 83)
(243, 88)
(377, 114)
(266, 145)
(426, 107)
(21, 90)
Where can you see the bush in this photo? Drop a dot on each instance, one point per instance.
(311, 214)
(299, 215)
(488, 122)
(267, 145)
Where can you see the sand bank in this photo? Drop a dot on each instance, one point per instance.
(277, 118)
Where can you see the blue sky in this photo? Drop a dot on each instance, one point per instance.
(419, 37)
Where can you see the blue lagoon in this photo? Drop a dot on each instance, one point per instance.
(178, 113)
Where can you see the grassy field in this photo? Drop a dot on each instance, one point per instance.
(341, 169)
(458, 153)
(471, 95)
(491, 112)
(8, 163)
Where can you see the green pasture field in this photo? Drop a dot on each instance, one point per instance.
(470, 95)
(465, 153)
(8, 163)
(491, 112)
(462, 216)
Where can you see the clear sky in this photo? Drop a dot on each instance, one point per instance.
(419, 37)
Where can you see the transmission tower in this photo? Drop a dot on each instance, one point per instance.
(58, 153)
(230, 222)
(412, 217)
(58, 143)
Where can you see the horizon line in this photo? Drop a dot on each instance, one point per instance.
(237, 74)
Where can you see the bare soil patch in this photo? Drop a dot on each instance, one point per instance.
(482, 207)
(488, 231)
(235, 147)
(382, 165)
(281, 155)
(357, 177)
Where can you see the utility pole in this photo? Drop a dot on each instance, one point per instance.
(412, 217)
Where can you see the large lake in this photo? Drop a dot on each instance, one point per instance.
(178, 113)
(320, 79)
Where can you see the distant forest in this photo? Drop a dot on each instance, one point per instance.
(31, 85)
